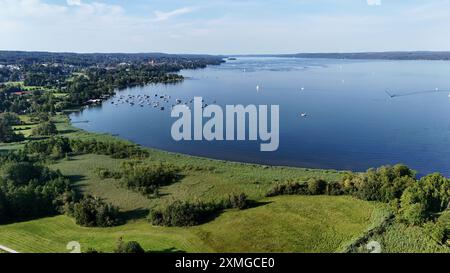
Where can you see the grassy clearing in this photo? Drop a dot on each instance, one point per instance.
(215, 179)
(281, 224)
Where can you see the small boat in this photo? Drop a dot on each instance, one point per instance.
(302, 89)
(449, 95)
(303, 115)
(257, 88)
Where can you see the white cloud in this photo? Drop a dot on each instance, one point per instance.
(98, 26)
(374, 2)
(74, 2)
(163, 16)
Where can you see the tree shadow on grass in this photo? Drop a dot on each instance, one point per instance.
(77, 182)
(167, 250)
(254, 204)
(213, 215)
(135, 214)
(68, 131)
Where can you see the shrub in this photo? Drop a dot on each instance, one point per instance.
(128, 247)
(437, 231)
(105, 173)
(289, 188)
(317, 186)
(183, 214)
(238, 201)
(146, 179)
(55, 147)
(93, 212)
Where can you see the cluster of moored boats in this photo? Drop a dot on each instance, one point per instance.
(158, 101)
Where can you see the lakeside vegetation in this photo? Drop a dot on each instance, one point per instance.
(59, 184)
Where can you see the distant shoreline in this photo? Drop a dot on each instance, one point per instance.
(386, 55)
(392, 55)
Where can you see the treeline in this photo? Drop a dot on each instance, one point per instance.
(59, 147)
(415, 201)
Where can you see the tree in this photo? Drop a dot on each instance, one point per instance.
(93, 212)
(7, 133)
(47, 128)
(423, 199)
(21, 173)
(11, 119)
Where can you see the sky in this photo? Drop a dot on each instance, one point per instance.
(224, 26)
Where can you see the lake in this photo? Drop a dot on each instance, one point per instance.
(360, 114)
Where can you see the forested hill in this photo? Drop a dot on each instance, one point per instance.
(100, 59)
(415, 55)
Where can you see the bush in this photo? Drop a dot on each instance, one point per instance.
(146, 179)
(93, 212)
(437, 231)
(317, 186)
(128, 247)
(289, 188)
(55, 147)
(182, 214)
(238, 201)
(105, 173)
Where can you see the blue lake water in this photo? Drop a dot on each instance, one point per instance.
(352, 123)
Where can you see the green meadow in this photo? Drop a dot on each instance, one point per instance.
(278, 224)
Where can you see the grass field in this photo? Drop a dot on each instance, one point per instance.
(282, 224)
